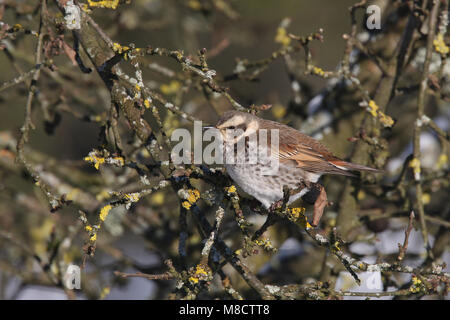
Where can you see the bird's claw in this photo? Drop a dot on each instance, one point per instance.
(319, 206)
(276, 205)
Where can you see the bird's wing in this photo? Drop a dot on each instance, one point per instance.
(311, 156)
(307, 153)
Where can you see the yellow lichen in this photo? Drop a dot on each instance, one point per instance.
(193, 280)
(278, 111)
(117, 47)
(39, 235)
(361, 195)
(199, 274)
(416, 281)
(104, 194)
(306, 224)
(95, 159)
(171, 124)
(373, 108)
(442, 161)
(231, 189)
(93, 238)
(296, 214)
(186, 205)
(318, 71)
(266, 244)
(386, 120)
(415, 165)
(73, 194)
(416, 285)
(88, 228)
(332, 222)
(97, 118)
(336, 246)
(144, 153)
(194, 4)
(426, 198)
(194, 195)
(69, 256)
(282, 37)
(108, 4)
(147, 103)
(119, 160)
(172, 88)
(375, 111)
(440, 46)
(414, 289)
(133, 197)
(200, 271)
(104, 293)
(158, 198)
(104, 212)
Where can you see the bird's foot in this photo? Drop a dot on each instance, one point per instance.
(255, 206)
(319, 206)
(276, 205)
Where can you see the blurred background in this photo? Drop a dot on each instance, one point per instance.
(70, 110)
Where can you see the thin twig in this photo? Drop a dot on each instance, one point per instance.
(404, 247)
(418, 126)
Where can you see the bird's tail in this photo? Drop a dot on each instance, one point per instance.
(344, 165)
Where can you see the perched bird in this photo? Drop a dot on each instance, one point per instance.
(302, 161)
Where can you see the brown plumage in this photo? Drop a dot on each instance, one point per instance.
(302, 160)
(308, 153)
